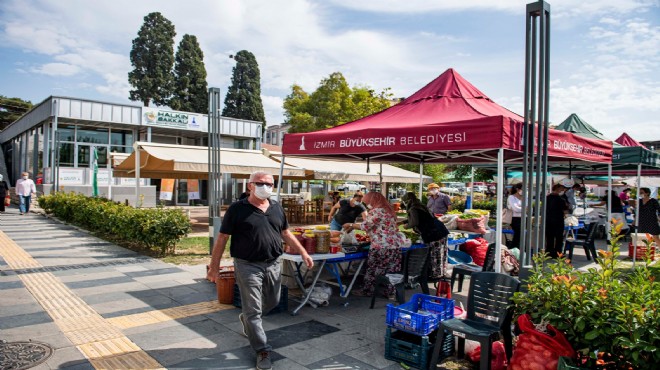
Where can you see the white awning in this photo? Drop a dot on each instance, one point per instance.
(351, 170)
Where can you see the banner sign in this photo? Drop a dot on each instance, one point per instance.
(71, 176)
(193, 189)
(174, 119)
(166, 189)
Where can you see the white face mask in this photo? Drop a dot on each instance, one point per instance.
(356, 203)
(263, 192)
(561, 193)
(434, 191)
(25, 177)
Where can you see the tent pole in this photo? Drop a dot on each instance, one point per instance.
(468, 203)
(421, 177)
(279, 181)
(498, 212)
(137, 174)
(609, 199)
(639, 185)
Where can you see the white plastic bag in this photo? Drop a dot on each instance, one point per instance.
(348, 238)
(571, 221)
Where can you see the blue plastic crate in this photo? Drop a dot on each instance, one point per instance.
(421, 315)
(282, 307)
(415, 350)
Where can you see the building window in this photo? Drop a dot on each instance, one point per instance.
(92, 135)
(66, 155)
(241, 144)
(121, 137)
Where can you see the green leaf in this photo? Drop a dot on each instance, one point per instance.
(592, 334)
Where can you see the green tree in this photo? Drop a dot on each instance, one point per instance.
(12, 109)
(333, 103)
(152, 57)
(190, 87)
(462, 173)
(436, 171)
(243, 99)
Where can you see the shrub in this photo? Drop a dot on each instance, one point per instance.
(489, 205)
(157, 229)
(610, 317)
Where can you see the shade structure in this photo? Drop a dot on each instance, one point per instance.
(353, 170)
(447, 121)
(191, 162)
(626, 140)
(626, 156)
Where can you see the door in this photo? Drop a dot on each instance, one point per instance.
(182, 192)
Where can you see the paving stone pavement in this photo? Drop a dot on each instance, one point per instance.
(102, 306)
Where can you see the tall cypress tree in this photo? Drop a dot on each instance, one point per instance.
(243, 99)
(152, 57)
(190, 87)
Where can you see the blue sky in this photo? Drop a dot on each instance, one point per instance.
(605, 56)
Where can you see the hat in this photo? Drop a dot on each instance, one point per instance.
(567, 183)
(433, 185)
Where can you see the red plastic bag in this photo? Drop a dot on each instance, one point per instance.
(475, 225)
(539, 351)
(477, 249)
(497, 356)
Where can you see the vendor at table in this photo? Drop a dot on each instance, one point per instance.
(347, 211)
(556, 208)
(386, 241)
(616, 209)
(433, 232)
(438, 203)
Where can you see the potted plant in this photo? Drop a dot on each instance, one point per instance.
(610, 316)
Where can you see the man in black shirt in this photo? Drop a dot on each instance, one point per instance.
(347, 211)
(257, 226)
(556, 209)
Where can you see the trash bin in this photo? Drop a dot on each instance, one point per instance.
(225, 284)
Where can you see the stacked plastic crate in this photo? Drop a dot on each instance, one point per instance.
(412, 329)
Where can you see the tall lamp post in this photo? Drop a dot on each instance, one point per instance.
(214, 183)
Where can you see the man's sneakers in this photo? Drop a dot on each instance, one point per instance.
(241, 317)
(263, 360)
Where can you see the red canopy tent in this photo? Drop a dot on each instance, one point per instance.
(626, 140)
(449, 121)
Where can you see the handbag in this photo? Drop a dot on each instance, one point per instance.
(507, 216)
(7, 201)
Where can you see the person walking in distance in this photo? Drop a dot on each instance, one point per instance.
(257, 226)
(25, 188)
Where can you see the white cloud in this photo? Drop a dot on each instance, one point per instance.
(57, 69)
(559, 8)
(272, 109)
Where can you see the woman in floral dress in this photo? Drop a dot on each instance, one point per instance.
(386, 242)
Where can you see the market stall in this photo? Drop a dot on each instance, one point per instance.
(447, 121)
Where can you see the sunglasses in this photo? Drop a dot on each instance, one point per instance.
(269, 184)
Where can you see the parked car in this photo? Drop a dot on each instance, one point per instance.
(351, 186)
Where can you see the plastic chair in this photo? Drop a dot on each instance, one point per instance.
(415, 264)
(586, 241)
(460, 271)
(489, 316)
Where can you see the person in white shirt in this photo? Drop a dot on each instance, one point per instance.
(514, 203)
(25, 188)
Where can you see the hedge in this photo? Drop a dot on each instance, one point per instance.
(155, 229)
(489, 205)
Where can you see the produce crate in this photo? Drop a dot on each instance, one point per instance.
(421, 315)
(282, 307)
(415, 350)
(641, 251)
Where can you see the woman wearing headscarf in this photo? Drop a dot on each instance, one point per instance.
(433, 233)
(386, 242)
(648, 214)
